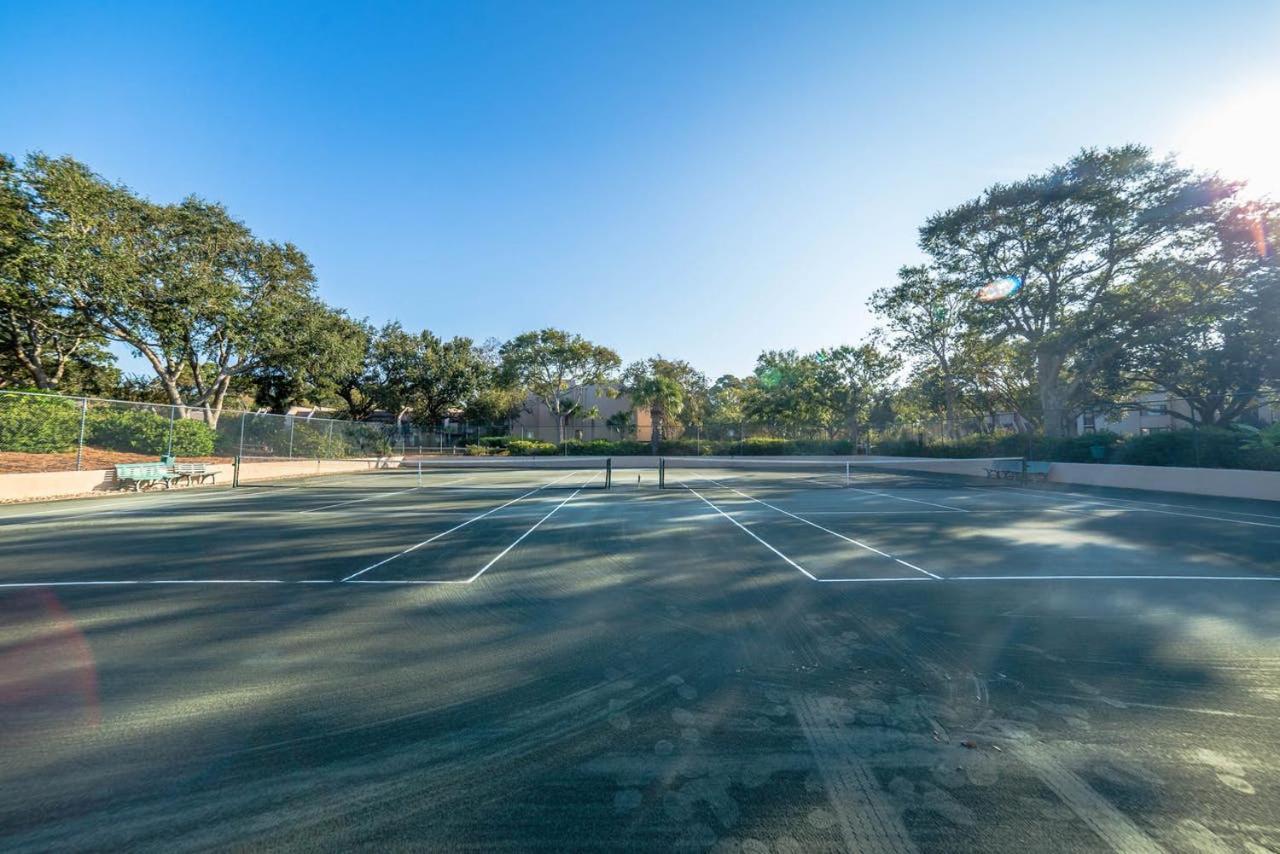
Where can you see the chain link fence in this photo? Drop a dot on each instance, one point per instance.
(53, 433)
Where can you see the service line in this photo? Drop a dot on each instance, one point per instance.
(752, 534)
(1110, 505)
(825, 530)
(432, 539)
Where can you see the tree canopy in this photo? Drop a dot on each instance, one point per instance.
(556, 367)
(1128, 275)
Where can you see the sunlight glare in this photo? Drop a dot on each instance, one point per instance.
(1236, 137)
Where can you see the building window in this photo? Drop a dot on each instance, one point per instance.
(1089, 424)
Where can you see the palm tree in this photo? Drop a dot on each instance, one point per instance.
(568, 409)
(620, 421)
(663, 396)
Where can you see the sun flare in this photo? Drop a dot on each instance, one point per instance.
(1237, 137)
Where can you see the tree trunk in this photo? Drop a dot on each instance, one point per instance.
(655, 429)
(31, 362)
(213, 409)
(949, 394)
(1053, 394)
(853, 435)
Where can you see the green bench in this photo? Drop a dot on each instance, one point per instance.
(143, 475)
(1019, 469)
(1037, 468)
(1005, 468)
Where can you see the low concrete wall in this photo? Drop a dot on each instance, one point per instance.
(30, 486)
(37, 486)
(253, 472)
(1227, 483)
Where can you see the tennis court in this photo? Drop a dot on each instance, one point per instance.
(708, 655)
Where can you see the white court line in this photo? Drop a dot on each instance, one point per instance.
(1103, 502)
(827, 530)
(251, 581)
(153, 581)
(417, 546)
(404, 581)
(502, 553)
(899, 512)
(379, 495)
(356, 500)
(214, 494)
(902, 498)
(1272, 517)
(855, 580)
(1113, 578)
(752, 534)
(499, 557)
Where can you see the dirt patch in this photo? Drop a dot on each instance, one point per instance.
(12, 462)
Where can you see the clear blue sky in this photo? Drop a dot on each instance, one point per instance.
(703, 179)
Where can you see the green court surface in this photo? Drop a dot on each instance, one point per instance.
(732, 663)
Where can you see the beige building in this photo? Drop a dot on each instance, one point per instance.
(598, 405)
(1152, 413)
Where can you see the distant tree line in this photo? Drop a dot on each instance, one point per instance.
(1136, 274)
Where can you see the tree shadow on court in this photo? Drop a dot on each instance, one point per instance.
(645, 676)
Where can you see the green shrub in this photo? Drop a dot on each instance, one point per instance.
(192, 438)
(762, 446)
(142, 431)
(594, 448)
(38, 425)
(1205, 447)
(321, 446)
(531, 447)
(477, 451)
(1069, 449)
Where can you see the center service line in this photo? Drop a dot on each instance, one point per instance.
(827, 530)
(417, 546)
(379, 495)
(752, 534)
(503, 553)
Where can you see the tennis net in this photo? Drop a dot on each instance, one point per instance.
(887, 473)
(426, 472)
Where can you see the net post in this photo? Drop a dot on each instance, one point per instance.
(662, 472)
(419, 471)
(846, 473)
(235, 472)
(608, 472)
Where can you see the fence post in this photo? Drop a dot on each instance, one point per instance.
(84, 411)
(243, 415)
(291, 423)
(173, 411)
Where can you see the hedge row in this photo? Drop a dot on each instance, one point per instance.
(1201, 448)
(668, 447)
(1206, 448)
(37, 425)
(674, 447)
